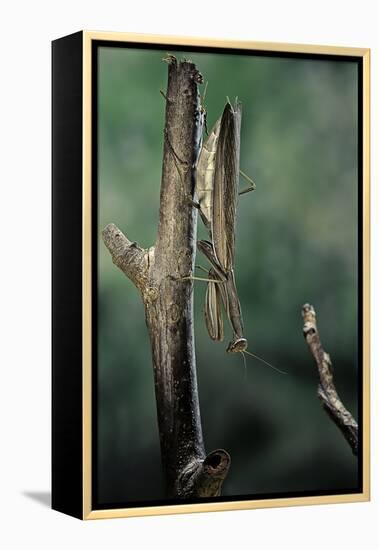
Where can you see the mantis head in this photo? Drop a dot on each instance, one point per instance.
(237, 346)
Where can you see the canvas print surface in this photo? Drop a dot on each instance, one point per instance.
(287, 126)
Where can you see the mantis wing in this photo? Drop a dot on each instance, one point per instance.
(219, 210)
(225, 190)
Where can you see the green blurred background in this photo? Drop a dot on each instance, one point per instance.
(296, 242)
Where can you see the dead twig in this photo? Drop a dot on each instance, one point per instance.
(327, 392)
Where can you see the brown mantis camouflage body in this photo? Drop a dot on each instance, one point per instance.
(217, 191)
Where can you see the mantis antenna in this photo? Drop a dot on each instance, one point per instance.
(263, 361)
(244, 364)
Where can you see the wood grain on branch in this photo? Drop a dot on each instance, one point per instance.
(158, 273)
(326, 389)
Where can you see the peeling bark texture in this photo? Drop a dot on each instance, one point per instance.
(327, 393)
(158, 274)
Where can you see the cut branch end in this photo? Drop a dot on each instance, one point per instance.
(204, 478)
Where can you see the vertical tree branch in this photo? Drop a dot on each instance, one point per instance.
(158, 273)
(326, 390)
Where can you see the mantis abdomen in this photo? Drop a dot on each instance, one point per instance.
(205, 175)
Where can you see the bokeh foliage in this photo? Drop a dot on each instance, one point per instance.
(296, 242)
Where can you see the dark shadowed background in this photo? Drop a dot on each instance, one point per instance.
(296, 242)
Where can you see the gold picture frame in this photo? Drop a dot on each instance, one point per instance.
(85, 510)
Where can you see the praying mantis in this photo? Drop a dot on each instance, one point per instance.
(217, 177)
(217, 181)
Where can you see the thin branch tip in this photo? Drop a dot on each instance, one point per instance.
(326, 391)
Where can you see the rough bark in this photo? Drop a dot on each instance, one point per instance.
(327, 393)
(159, 273)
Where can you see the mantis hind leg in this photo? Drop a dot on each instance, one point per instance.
(204, 279)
